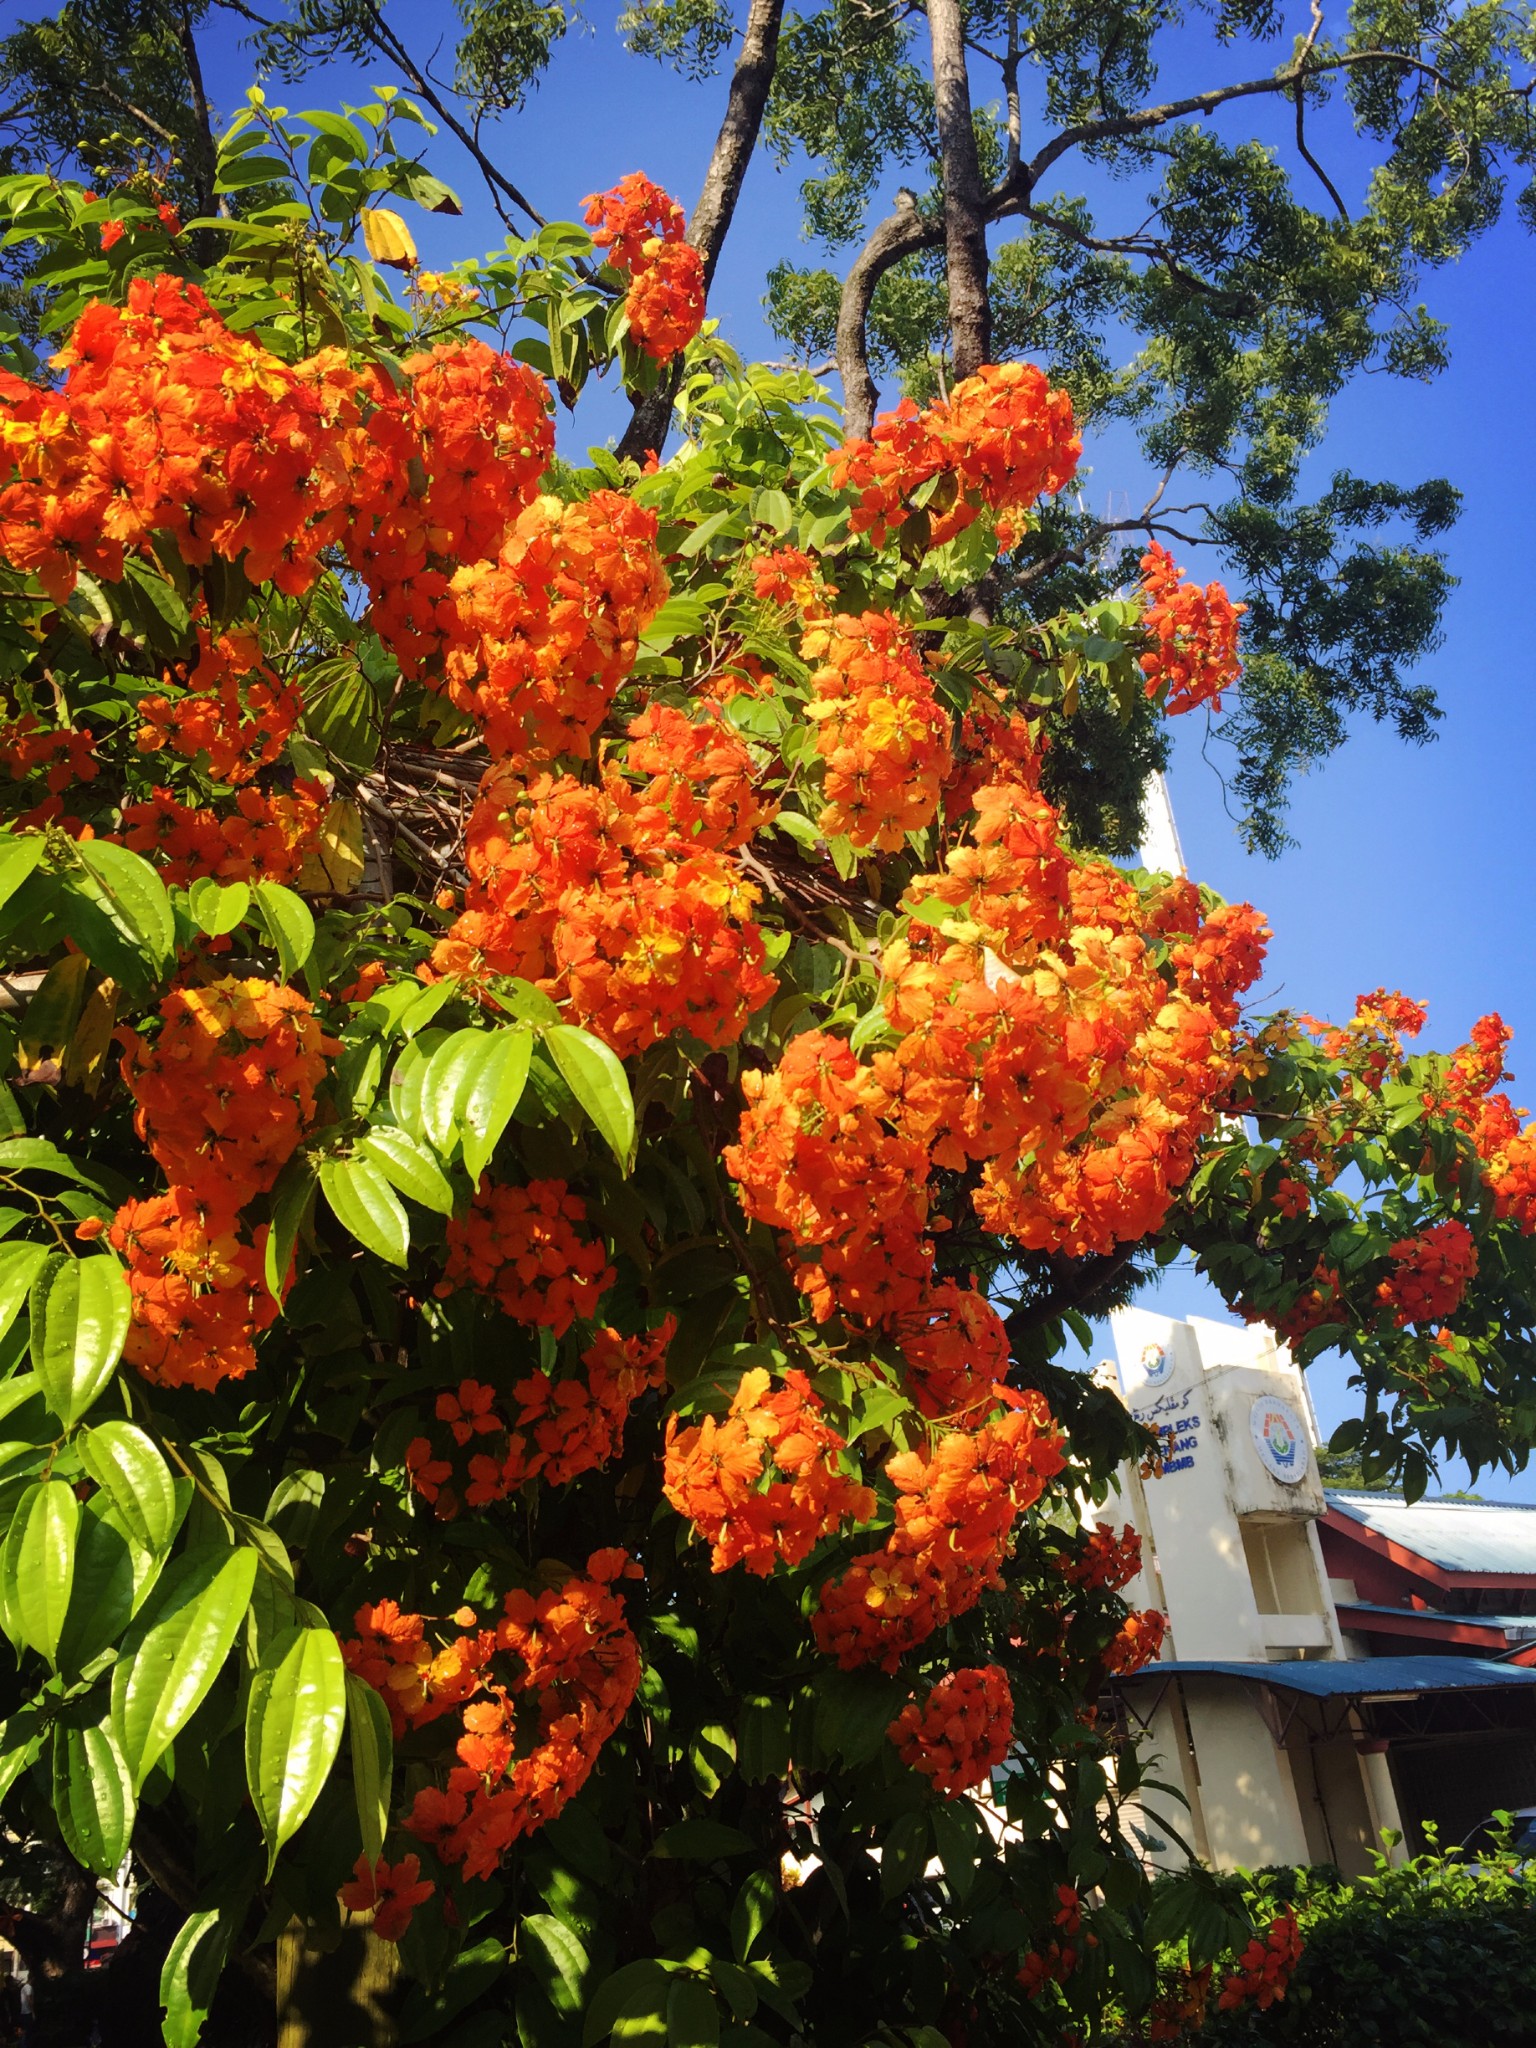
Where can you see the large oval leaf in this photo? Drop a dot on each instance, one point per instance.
(191, 1976)
(135, 895)
(409, 1166)
(367, 1206)
(45, 1535)
(20, 1265)
(101, 1596)
(171, 1654)
(93, 1797)
(290, 925)
(373, 1762)
(80, 1314)
(20, 853)
(595, 1075)
(493, 1087)
(293, 1723)
(445, 1084)
(125, 1464)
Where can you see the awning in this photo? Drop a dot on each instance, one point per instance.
(1396, 1696)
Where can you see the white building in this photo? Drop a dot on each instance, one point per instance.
(1280, 1740)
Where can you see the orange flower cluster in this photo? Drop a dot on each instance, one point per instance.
(1468, 1097)
(265, 838)
(542, 636)
(962, 1730)
(390, 1891)
(226, 1089)
(879, 729)
(954, 1516)
(1194, 629)
(527, 1248)
(1059, 1958)
(233, 710)
(766, 1483)
(785, 576)
(1178, 2010)
(529, 1744)
(620, 900)
(1106, 1562)
(67, 753)
(955, 1350)
(1265, 1967)
(1002, 440)
(561, 1428)
(417, 1682)
(1431, 1273)
(199, 1297)
(642, 230)
(1137, 1643)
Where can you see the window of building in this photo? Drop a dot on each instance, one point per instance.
(1280, 1567)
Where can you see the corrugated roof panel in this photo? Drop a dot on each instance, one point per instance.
(1456, 1535)
(1354, 1677)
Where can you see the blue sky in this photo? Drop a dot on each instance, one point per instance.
(1414, 868)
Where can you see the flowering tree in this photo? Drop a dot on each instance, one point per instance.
(565, 1091)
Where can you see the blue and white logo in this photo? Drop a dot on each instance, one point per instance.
(1156, 1364)
(1279, 1439)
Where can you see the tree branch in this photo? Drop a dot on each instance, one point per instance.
(965, 230)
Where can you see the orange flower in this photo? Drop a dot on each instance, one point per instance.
(961, 1732)
(390, 1891)
(1194, 656)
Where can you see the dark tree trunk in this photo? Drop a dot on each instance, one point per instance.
(965, 233)
(53, 1949)
(751, 82)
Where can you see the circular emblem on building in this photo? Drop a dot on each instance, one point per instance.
(1156, 1364)
(1279, 1439)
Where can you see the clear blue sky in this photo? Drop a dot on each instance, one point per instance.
(1414, 868)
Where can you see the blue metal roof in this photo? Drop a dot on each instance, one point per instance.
(1355, 1677)
(1519, 1628)
(1493, 1537)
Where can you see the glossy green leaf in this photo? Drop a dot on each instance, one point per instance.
(20, 1265)
(135, 895)
(595, 1076)
(293, 1200)
(22, 1736)
(191, 1976)
(39, 1563)
(494, 1087)
(101, 1596)
(128, 1468)
(218, 907)
(93, 1797)
(20, 853)
(637, 1989)
(693, 2017)
(408, 1166)
(293, 1725)
(558, 1960)
(373, 1762)
(904, 1854)
(172, 1653)
(367, 1206)
(445, 1084)
(80, 1314)
(290, 925)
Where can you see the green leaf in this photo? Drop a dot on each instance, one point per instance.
(173, 1651)
(408, 1166)
(22, 1736)
(293, 1200)
(136, 897)
(39, 1563)
(595, 1076)
(80, 1314)
(191, 1976)
(904, 1854)
(290, 925)
(557, 1959)
(752, 1911)
(218, 907)
(93, 1797)
(701, 1840)
(128, 1468)
(101, 1597)
(373, 1762)
(639, 1988)
(367, 1206)
(293, 1723)
(445, 1085)
(762, 1739)
(693, 2018)
(19, 1267)
(494, 1085)
(20, 853)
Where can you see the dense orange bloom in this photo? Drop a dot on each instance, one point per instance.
(265, 838)
(879, 729)
(1137, 1643)
(66, 754)
(962, 1730)
(232, 709)
(226, 1088)
(1059, 1958)
(558, 1427)
(765, 1483)
(1003, 439)
(1106, 1561)
(955, 1350)
(1194, 630)
(954, 1516)
(526, 1248)
(641, 228)
(199, 1295)
(1431, 1273)
(390, 1891)
(1265, 1967)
